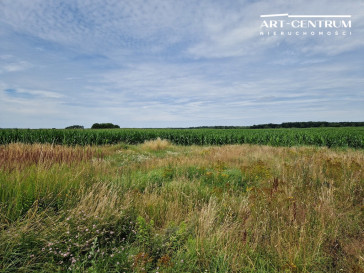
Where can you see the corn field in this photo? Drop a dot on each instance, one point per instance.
(330, 137)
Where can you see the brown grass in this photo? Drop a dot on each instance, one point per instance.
(18, 155)
(156, 144)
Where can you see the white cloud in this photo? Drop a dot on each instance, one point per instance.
(41, 93)
(9, 63)
(101, 25)
(157, 62)
(212, 29)
(13, 67)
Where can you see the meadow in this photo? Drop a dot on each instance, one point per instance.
(161, 207)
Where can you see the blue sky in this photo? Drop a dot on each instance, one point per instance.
(174, 64)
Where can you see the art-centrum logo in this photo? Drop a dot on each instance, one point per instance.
(305, 25)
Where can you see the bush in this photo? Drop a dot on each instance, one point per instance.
(104, 126)
(75, 127)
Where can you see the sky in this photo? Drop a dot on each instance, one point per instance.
(169, 63)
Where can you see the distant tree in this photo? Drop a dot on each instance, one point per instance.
(75, 127)
(104, 126)
(307, 124)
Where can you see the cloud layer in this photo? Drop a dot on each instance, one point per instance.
(173, 63)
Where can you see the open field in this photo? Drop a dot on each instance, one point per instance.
(158, 207)
(330, 137)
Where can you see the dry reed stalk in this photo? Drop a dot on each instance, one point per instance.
(16, 156)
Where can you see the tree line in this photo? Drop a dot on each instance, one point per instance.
(306, 124)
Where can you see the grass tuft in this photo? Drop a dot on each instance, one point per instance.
(156, 144)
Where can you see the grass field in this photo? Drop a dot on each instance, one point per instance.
(159, 207)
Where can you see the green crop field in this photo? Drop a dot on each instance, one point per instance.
(330, 137)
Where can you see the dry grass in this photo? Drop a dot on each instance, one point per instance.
(290, 209)
(301, 203)
(101, 200)
(156, 144)
(18, 155)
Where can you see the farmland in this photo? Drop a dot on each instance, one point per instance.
(330, 137)
(161, 207)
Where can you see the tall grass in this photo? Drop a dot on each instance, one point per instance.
(42, 175)
(17, 155)
(165, 208)
(156, 144)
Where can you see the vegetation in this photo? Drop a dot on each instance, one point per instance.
(104, 126)
(75, 127)
(157, 207)
(308, 124)
(330, 137)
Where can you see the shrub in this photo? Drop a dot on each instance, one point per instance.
(104, 126)
(75, 127)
